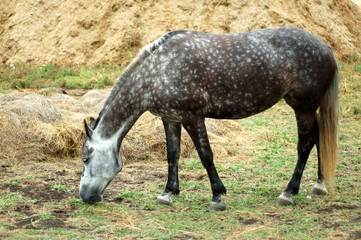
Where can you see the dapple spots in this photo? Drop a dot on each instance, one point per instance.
(186, 76)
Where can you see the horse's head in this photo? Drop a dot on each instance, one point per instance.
(102, 163)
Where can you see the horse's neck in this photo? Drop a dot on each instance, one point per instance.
(122, 112)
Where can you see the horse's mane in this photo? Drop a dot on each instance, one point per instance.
(145, 52)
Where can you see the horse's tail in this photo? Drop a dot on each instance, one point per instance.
(328, 137)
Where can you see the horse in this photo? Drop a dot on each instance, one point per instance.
(187, 76)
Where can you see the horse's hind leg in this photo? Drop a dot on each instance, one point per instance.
(173, 135)
(307, 138)
(197, 131)
(319, 188)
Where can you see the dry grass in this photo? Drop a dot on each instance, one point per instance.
(34, 128)
(38, 128)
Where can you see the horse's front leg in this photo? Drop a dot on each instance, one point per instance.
(173, 135)
(197, 131)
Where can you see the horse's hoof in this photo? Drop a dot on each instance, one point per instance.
(285, 199)
(217, 206)
(163, 199)
(319, 189)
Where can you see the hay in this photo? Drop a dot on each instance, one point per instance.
(19, 115)
(146, 140)
(36, 128)
(95, 99)
(28, 109)
(111, 32)
(57, 140)
(68, 104)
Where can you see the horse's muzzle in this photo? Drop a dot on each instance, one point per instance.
(89, 197)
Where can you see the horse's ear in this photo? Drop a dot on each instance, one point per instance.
(92, 123)
(88, 130)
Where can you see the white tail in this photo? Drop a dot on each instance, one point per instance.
(328, 126)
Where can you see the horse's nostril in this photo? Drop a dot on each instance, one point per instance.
(91, 198)
(96, 198)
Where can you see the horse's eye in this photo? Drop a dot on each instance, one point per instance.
(85, 159)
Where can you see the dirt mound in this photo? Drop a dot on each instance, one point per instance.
(38, 128)
(111, 32)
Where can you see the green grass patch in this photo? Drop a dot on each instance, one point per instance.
(60, 187)
(10, 200)
(24, 76)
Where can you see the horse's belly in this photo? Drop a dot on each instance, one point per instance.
(169, 115)
(220, 107)
(241, 105)
(236, 112)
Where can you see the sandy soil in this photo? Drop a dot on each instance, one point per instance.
(112, 32)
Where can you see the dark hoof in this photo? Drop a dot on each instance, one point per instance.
(163, 199)
(217, 206)
(285, 199)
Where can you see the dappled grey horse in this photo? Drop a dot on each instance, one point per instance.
(187, 76)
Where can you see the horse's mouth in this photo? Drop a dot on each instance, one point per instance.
(92, 198)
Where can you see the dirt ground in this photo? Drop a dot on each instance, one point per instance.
(112, 32)
(36, 180)
(40, 190)
(35, 184)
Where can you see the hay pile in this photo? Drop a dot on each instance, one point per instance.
(34, 128)
(38, 128)
(92, 32)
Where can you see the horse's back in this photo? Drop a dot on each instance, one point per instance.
(241, 74)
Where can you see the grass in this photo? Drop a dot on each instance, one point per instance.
(24, 76)
(253, 184)
(9, 200)
(60, 187)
